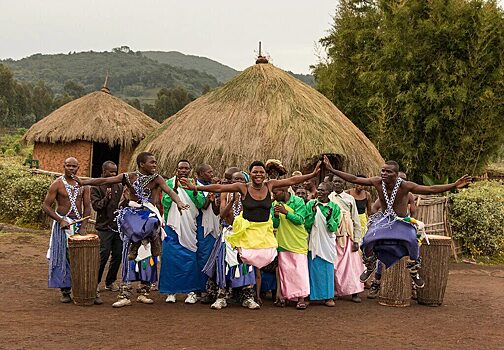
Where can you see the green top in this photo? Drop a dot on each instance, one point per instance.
(198, 200)
(332, 222)
(291, 234)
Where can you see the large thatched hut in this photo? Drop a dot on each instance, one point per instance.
(262, 113)
(94, 128)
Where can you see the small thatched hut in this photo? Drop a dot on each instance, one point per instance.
(94, 128)
(262, 113)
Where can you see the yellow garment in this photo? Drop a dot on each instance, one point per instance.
(291, 237)
(363, 223)
(252, 235)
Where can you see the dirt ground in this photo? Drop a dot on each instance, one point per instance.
(33, 318)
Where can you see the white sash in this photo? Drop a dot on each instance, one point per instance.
(209, 221)
(322, 242)
(184, 223)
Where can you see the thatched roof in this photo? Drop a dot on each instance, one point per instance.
(262, 113)
(96, 117)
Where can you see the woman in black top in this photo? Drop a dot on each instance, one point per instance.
(253, 230)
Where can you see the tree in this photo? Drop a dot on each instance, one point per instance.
(423, 80)
(170, 101)
(74, 89)
(42, 100)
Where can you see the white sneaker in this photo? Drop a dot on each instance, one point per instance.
(122, 302)
(220, 303)
(191, 298)
(170, 298)
(251, 304)
(143, 299)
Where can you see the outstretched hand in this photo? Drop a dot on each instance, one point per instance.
(317, 168)
(463, 181)
(327, 163)
(182, 206)
(186, 183)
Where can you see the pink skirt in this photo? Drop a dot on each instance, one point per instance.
(294, 277)
(257, 257)
(348, 267)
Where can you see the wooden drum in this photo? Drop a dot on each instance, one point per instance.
(434, 270)
(395, 285)
(84, 253)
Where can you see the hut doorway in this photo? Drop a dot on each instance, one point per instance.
(336, 162)
(101, 153)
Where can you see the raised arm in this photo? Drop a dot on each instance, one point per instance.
(100, 180)
(365, 181)
(420, 189)
(236, 187)
(294, 180)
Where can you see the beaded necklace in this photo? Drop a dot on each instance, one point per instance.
(72, 192)
(390, 200)
(237, 205)
(142, 192)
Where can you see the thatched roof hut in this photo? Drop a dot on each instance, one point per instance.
(262, 113)
(94, 128)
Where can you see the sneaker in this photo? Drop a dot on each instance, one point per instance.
(251, 304)
(65, 298)
(374, 290)
(191, 298)
(170, 298)
(220, 303)
(367, 274)
(112, 287)
(356, 298)
(144, 299)
(98, 300)
(417, 280)
(122, 302)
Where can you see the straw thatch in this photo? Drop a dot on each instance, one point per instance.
(96, 117)
(262, 113)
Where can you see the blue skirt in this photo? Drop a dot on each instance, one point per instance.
(179, 269)
(205, 246)
(321, 278)
(142, 270)
(390, 240)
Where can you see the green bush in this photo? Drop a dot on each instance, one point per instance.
(22, 194)
(477, 217)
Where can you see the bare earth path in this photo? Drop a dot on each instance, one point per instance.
(31, 316)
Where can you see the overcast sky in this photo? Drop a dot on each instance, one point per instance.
(224, 30)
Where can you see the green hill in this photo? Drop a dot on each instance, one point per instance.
(131, 73)
(220, 71)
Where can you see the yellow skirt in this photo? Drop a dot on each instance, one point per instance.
(252, 235)
(363, 222)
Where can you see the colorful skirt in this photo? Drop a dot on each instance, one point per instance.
(224, 275)
(348, 267)
(390, 239)
(179, 269)
(321, 278)
(205, 247)
(293, 273)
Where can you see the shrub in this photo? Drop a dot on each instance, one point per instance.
(22, 194)
(477, 217)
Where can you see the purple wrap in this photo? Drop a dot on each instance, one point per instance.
(390, 239)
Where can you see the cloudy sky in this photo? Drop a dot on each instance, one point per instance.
(224, 30)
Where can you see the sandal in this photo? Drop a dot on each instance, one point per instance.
(279, 303)
(301, 305)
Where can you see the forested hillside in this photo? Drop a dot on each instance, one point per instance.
(131, 73)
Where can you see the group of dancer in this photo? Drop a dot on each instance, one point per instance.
(216, 240)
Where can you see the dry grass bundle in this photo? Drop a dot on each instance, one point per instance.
(96, 117)
(262, 113)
